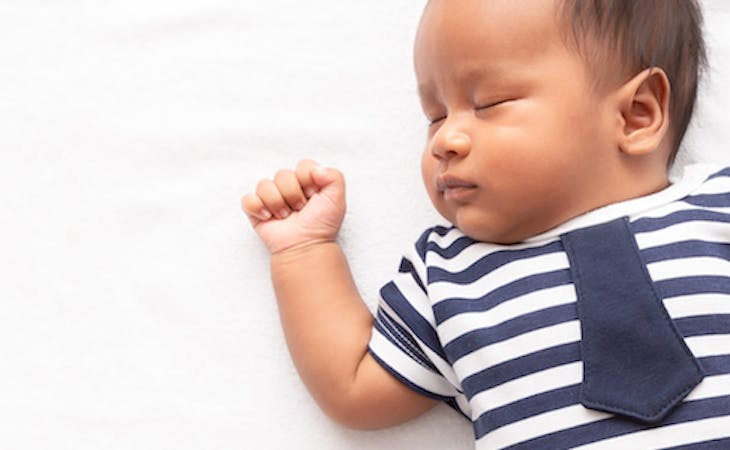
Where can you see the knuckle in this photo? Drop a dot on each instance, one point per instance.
(291, 195)
(261, 185)
(282, 175)
(305, 165)
(338, 174)
(303, 177)
(248, 201)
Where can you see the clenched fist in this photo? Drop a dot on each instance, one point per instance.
(297, 207)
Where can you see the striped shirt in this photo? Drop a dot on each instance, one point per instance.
(493, 330)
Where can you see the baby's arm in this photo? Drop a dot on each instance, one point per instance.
(327, 326)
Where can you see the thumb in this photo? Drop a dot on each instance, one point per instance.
(330, 182)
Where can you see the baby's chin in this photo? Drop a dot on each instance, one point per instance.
(481, 231)
(482, 235)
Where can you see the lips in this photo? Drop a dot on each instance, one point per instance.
(454, 188)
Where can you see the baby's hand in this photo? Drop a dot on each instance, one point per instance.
(298, 207)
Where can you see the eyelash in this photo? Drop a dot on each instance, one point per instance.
(478, 108)
(435, 121)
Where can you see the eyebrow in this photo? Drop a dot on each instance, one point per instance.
(467, 76)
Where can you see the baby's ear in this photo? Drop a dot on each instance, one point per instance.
(644, 108)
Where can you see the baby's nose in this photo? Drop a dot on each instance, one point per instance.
(451, 143)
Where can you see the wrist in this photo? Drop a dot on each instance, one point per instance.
(301, 270)
(304, 250)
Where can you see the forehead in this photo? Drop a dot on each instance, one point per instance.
(482, 35)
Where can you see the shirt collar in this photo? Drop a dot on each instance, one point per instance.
(686, 182)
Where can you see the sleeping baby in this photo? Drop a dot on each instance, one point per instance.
(576, 297)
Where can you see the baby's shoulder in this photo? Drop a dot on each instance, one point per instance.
(712, 192)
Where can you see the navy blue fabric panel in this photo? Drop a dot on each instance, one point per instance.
(675, 287)
(635, 362)
(715, 444)
(716, 365)
(616, 426)
(407, 382)
(406, 266)
(415, 322)
(448, 308)
(526, 407)
(489, 263)
(657, 223)
(685, 249)
(519, 367)
(482, 337)
(560, 398)
(709, 200)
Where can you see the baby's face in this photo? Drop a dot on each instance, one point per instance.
(518, 138)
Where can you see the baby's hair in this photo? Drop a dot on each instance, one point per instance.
(634, 35)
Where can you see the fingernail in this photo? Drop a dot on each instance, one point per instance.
(309, 192)
(283, 213)
(265, 214)
(299, 206)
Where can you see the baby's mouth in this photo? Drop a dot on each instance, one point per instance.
(454, 188)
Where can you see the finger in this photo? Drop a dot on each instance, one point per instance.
(289, 188)
(331, 184)
(327, 176)
(304, 175)
(272, 199)
(254, 208)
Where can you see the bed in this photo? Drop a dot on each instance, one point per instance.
(137, 308)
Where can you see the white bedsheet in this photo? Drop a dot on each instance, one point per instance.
(136, 306)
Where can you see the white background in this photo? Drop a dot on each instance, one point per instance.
(136, 306)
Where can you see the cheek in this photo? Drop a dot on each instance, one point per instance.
(429, 169)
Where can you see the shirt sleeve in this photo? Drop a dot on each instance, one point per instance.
(404, 339)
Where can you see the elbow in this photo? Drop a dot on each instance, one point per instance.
(361, 410)
(354, 416)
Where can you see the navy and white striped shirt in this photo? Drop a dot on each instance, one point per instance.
(493, 330)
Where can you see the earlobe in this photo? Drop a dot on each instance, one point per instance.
(644, 109)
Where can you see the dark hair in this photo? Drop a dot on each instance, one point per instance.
(634, 35)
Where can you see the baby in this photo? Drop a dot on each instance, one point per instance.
(578, 298)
